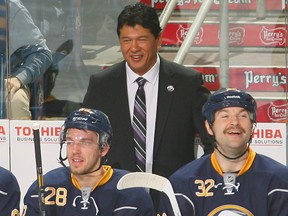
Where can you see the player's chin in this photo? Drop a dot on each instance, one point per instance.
(75, 168)
(76, 171)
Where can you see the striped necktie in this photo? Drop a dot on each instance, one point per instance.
(139, 126)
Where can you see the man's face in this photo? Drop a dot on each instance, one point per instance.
(232, 129)
(139, 48)
(83, 150)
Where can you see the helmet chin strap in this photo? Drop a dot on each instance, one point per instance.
(239, 156)
(232, 158)
(100, 165)
(102, 162)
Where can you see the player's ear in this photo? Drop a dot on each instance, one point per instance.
(104, 150)
(208, 128)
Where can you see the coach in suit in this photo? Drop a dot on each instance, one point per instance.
(174, 98)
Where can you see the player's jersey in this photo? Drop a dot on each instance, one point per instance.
(9, 194)
(63, 197)
(260, 188)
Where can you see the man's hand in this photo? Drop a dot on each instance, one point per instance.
(12, 85)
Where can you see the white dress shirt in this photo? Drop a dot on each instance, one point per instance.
(151, 94)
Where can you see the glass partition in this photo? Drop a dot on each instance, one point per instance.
(83, 40)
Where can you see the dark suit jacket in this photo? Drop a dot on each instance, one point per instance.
(178, 115)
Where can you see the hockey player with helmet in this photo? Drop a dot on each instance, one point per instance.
(233, 180)
(87, 186)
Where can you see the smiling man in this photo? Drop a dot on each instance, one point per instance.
(233, 180)
(171, 100)
(87, 187)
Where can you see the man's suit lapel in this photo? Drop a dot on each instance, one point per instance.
(165, 98)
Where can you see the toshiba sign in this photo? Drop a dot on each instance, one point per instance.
(270, 139)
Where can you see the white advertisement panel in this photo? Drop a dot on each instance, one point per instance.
(270, 139)
(23, 163)
(4, 143)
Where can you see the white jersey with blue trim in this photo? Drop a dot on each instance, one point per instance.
(64, 197)
(259, 188)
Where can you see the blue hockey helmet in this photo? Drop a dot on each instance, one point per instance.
(89, 119)
(229, 97)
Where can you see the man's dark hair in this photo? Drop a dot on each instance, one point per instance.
(139, 14)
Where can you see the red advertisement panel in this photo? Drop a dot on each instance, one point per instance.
(253, 35)
(259, 79)
(272, 111)
(248, 79)
(210, 77)
(233, 4)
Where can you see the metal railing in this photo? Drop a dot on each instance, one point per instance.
(194, 28)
